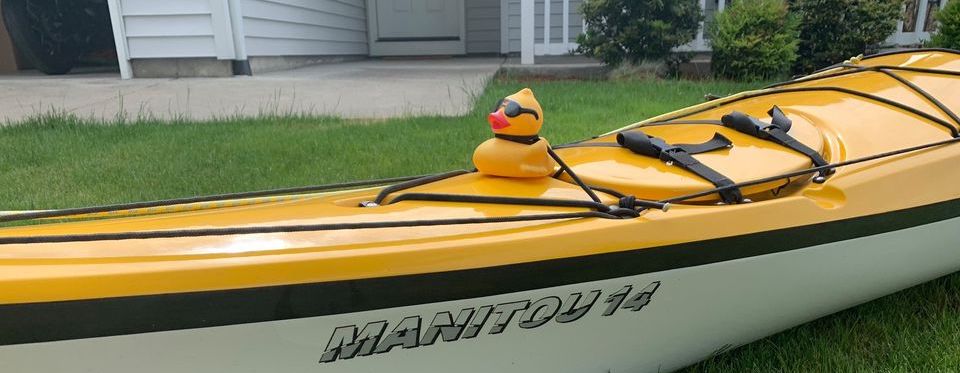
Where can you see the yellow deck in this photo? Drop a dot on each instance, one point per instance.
(844, 126)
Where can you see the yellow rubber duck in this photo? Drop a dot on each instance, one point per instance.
(517, 150)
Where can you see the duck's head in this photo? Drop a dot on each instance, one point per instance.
(517, 115)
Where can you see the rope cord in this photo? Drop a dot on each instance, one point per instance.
(467, 198)
(888, 70)
(678, 118)
(890, 53)
(588, 145)
(294, 228)
(627, 205)
(180, 201)
(885, 69)
(573, 175)
(603, 211)
(853, 69)
(414, 183)
(439, 222)
(953, 129)
(692, 121)
(943, 108)
(675, 119)
(811, 170)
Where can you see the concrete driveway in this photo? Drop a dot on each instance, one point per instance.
(362, 89)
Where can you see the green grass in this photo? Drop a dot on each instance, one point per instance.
(55, 161)
(916, 330)
(58, 161)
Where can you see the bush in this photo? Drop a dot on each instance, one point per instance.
(835, 30)
(754, 40)
(948, 30)
(635, 30)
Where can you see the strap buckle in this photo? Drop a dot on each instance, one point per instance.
(776, 132)
(682, 156)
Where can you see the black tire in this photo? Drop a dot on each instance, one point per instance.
(43, 40)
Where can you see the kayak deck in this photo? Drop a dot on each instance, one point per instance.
(842, 126)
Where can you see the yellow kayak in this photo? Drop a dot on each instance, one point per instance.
(645, 249)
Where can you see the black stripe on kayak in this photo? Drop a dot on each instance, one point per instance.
(64, 320)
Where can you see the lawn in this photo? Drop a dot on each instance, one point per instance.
(57, 161)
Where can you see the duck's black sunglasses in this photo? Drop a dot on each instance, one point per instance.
(514, 109)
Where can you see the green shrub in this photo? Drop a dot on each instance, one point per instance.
(948, 28)
(754, 40)
(635, 30)
(832, 31)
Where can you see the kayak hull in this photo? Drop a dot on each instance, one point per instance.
(469, 272)
(595, 326)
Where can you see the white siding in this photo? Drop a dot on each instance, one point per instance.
(174, 28)
(483, 26)
(923, 10)
(556, 22)
(304, 27)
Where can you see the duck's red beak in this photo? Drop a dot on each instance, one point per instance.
(497, 120)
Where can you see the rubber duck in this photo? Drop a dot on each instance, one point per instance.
(517, 150)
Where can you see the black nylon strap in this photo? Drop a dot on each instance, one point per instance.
(775, 132)
(778, 136)
(689, 163)
(640, 143)
(716, 143)
(526, 140)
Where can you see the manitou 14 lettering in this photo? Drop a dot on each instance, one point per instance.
(349, 341)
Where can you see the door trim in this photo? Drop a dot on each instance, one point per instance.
(407, 47)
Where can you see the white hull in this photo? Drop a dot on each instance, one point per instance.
(693, 313)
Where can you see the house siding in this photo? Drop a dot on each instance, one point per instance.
(556, 22)
(149, 32)
(304, 27)
(483, 26)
